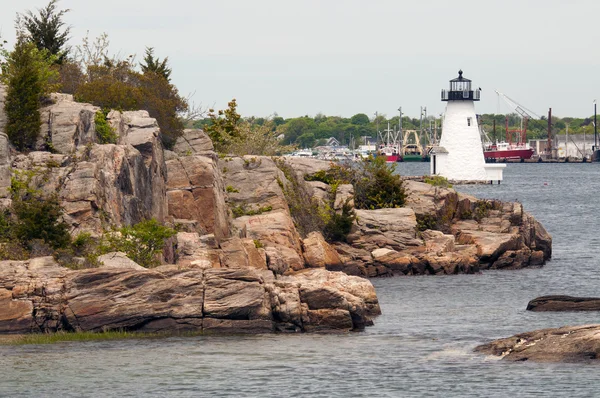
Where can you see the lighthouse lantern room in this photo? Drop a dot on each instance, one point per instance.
(459, 157)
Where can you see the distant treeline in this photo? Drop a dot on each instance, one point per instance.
(307, 131)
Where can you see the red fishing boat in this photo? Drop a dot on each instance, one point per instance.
(514, 148)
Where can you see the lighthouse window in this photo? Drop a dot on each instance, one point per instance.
(468, 121)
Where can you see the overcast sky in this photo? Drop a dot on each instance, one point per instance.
(342, 57)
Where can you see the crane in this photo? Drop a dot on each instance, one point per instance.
(526, 114)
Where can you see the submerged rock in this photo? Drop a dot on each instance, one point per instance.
(564, 303)
(566, 344)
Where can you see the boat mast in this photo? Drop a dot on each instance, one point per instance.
(400, 134)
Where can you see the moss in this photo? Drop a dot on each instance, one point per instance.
(231, 189)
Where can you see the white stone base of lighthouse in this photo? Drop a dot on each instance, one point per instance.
(461, 140)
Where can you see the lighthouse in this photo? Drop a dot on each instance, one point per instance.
(459, 156)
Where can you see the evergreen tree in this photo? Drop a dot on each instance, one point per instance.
(46, 30)
(27, 73)
(155, 65)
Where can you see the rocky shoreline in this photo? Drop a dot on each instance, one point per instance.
(238, 263)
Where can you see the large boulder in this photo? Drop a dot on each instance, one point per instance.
(195, 251)
(67, 125)
(306, 166)
(118, 260)
(274, 230)
(318, 253)
(425, 199)
(193, 142)
(252, 183)
(384, 228)
(566, 344)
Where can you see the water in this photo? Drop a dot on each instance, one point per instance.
(421, 345)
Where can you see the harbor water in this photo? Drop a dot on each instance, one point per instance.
(422, 344)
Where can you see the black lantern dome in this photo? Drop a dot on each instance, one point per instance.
(460, 90)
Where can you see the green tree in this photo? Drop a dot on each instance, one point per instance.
(28, 74)
(360, 119)
(46, 30)
(306, 140)
(224, 127)
(155, 65)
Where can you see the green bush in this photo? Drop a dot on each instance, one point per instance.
(338, 225)
(376, 186)
(105, 133)
(426, 221)
(141, 242)
(36, 216)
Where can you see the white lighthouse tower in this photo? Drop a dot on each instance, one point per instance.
(459, 157)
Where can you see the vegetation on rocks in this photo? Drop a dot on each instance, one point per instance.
(309, 213)
(41, 61)
(33, 223)
(375, 184)
(142, 242)
(231, 134)
(105, 133)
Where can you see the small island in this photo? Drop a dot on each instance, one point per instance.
(116, 216)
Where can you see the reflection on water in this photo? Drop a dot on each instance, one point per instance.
(421, 345)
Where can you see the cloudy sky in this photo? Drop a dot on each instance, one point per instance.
(342, 57)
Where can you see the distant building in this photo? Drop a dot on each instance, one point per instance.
(332, 141)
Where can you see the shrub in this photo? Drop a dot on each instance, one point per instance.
(338, 225)
(36, 216)
(375, 184)
(141, 242)
(105, 133)
(118, 86)
(426, 221)
(482, 209)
